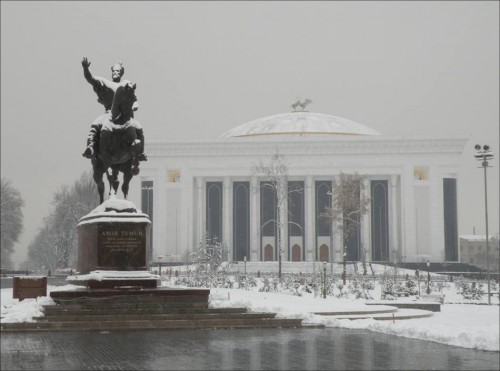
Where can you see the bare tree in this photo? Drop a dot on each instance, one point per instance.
(276, 175)
(348, 205)
(208, 257)
(56, 242)
(37, 256)
(11, 220)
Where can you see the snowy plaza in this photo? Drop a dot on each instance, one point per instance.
(468, 323)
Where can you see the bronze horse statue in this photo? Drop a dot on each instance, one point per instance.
(301, 104)
(120, 142)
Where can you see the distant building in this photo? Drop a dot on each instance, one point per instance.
(473, 251)
(206, 186)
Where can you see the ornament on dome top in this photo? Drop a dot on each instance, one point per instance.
(300, 106)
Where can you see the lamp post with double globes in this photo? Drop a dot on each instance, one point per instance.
(159, 265)
(484, 154)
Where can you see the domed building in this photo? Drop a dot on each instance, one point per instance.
(207, 187)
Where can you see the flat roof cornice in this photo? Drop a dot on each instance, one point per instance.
(312, 145)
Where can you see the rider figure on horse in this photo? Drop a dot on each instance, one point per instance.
(105, 91)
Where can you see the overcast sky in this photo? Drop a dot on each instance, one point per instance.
(202, 68)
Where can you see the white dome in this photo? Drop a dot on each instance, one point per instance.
(299, 123)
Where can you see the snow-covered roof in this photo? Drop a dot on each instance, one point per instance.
(300, 123)
(476, 237)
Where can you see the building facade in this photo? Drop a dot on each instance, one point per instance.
(473, 251)
(207, 187)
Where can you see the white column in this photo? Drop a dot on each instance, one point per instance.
(184, 221)
(200, 230)
(309, 219)
(365, 224)
(159, 213)
(337, 235)
(436, 214)
(409, 212)
(254, 220)
(226, 216)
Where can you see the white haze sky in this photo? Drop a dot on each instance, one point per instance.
(202, 68)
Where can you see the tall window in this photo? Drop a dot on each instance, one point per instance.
(296, 208)
(214, 210)
(268, 204)
(450, 219)
(379, 220)
(241, 220)
(323, 201)
(295, 212)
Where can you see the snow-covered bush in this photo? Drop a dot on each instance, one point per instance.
(269, 285)
(245, 281)
(469, 290)
(440, 286)
(189, 281)
(342, 291)
(296, 289)
(330, 285)
(388, 287)
(223, 281)
(360, 285)
(410, 287)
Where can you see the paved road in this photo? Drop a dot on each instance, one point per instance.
(261, 349)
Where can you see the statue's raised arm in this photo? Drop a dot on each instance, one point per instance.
(86, 71)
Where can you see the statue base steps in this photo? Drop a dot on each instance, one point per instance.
(120, 280)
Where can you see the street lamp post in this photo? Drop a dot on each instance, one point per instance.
(245, 261)
(417, 273)
(484, 154)
(344, 264)
(324, 280)
(428, 277)
(159, 265)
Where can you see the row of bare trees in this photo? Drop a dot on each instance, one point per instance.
(55, 244)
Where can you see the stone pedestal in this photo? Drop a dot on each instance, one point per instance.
(115, 236)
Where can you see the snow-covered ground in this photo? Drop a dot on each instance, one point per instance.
(464, 323)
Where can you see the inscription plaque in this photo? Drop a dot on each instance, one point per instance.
(29, 287)
(121, 246)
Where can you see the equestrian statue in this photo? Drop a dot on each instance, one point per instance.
(116, 140)
(300, 104)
